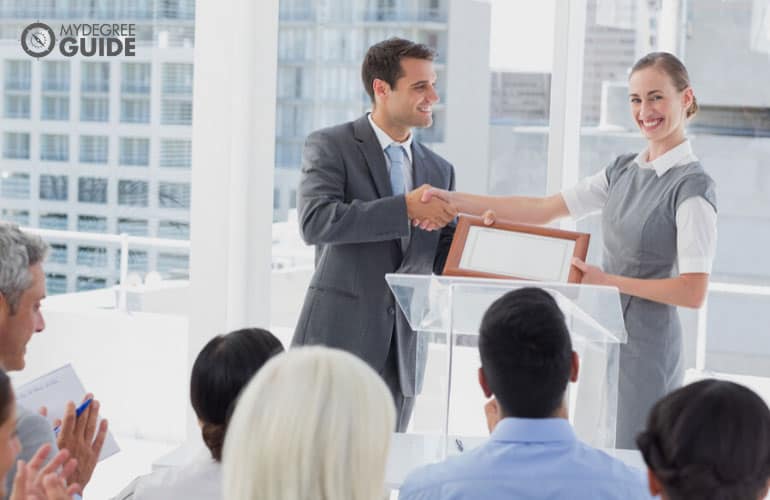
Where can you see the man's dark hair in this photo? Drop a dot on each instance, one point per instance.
(383, 61)
(224, 367)
(526, 353)
(709, 440)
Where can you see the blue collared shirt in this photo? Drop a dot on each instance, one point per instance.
(528, 458)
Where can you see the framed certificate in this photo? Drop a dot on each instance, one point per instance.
(515, 251)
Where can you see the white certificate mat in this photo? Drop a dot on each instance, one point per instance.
(53, 390)
(521, 255)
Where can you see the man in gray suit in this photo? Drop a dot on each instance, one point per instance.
(360, 189)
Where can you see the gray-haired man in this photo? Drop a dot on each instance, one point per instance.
(22, 289)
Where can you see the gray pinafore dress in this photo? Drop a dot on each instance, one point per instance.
(639, 228)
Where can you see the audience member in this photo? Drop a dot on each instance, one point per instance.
(526, 363)
(22, 288)
(33, 481)
(709, 440)
(315, 423)
(221, 371)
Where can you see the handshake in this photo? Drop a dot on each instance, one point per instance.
(430, 208)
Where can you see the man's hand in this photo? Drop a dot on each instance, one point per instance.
(492, 412)
(432, 214)
(80, 437)
(49, 483)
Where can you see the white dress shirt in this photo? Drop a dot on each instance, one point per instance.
(696, 219)
(198, 479)
(385, 141)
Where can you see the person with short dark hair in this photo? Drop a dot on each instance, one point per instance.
(709, 440)
(222, 369)
(360, 189)
(526, 363)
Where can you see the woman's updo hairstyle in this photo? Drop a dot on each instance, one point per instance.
(675, 70)
(224, 367)
(709, 440)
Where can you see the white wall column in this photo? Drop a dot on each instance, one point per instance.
(566, 97)
(466, 137)
(232, 167)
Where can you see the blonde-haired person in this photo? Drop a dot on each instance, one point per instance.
(659, 226)
(314, 423)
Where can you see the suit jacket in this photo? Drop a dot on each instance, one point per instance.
(348, 211)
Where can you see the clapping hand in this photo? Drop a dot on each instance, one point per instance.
(79, 435)
(35, 482)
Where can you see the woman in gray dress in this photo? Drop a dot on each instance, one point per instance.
(659, 225)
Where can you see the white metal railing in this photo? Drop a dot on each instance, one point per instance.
(123, 240)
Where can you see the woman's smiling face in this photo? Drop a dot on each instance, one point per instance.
(657, 106)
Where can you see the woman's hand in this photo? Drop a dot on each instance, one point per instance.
(489, 217)
(592, 275)
(35, 482)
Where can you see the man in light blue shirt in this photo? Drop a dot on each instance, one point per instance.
(526, 362)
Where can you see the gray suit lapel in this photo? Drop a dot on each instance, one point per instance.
(375, 158)
(422, 173)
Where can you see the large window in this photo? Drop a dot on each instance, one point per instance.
(133, 193)
(55, 86)
(721, 43)
(134, 152)
(92, 224)
(94, 91)
(54, 147)
(53, 187)
(176, 153)
(18, 75)
(14, 185)
(95, 77)
(53, 221)
(92, 190)
(16, 145)
(176, 104)
(174, 195)
(135, 92)
(94, 149)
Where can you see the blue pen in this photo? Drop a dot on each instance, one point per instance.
(79, 411)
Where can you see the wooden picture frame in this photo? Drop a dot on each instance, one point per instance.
(536, 253)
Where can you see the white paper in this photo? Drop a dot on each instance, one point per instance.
(53, 390)
(521, 255)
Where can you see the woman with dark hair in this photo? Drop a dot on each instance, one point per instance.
(708, 441)
(30, 482)
(658, 210)
(221, 370)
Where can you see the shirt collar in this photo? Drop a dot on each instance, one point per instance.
(385, 140)
(533, 430)
(675, 157)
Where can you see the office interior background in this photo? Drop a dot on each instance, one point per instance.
(101, 156)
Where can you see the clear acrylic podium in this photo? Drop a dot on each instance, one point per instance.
(445, 312)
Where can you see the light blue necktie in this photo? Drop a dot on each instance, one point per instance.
(396, 154)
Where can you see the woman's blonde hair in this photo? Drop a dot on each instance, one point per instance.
(314, 423)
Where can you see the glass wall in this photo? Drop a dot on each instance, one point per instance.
(721, 45)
